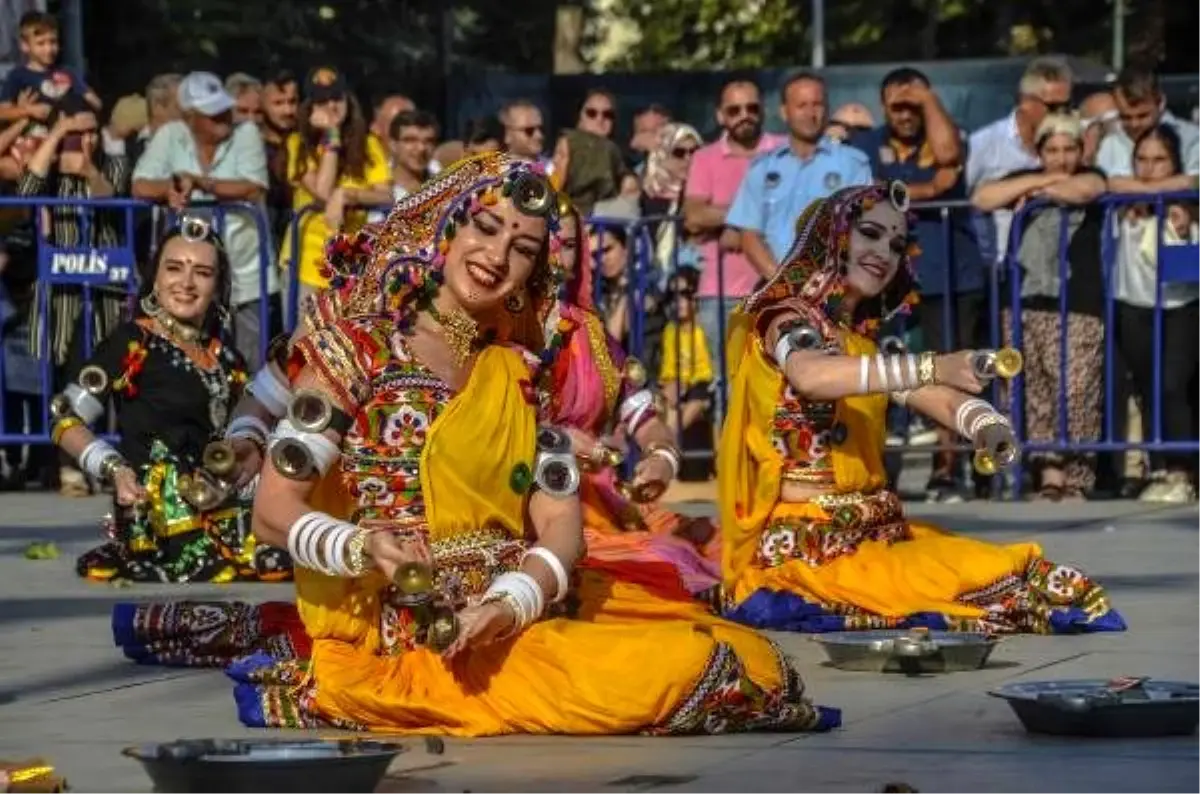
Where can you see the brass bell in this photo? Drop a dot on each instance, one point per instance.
(442, 631)
(413, 578)
(660, 404)
(292, 459)
(204, 494)
(635, 372)
(94, 380)
(195, 229)
(805, 337)
(1007, 363)
(218, 458)
(610, 457)
(988, 464)
(532, 195)
(892, 345)
(641, 494)
(310, 411)
(60, 407)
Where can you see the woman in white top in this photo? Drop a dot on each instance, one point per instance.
(1156, 155)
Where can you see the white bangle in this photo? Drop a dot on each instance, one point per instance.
(250, 427)
(914, 375)
(881, 370)
(635, 407)
(84, 403)
(318, 541)
(323, 451)
(525, 596)
(965, 412)
(91, 460)
(556, 567)
(986, 419)
(783, 349)
(897, 381)
(864, 375)
(270, 393)
(672, 458)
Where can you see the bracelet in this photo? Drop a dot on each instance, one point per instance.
(881, 372)
(270, 393)
(62, 426)
(864, 375)
(989, 419)
(927, 370)
(99, 459)
(524, 595)
(358, 562)
(963, 415)
(320, 542)
(556, 567)
(669, 452)
(634, 409)
(250, 428)
(109, 466)
(85, 404)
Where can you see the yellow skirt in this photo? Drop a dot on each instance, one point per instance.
(855, 562)
(626, 661)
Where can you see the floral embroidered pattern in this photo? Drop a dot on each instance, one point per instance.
(878, 517)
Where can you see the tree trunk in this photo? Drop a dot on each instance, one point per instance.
(568, 36)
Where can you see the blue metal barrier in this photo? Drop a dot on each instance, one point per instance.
(92, 267)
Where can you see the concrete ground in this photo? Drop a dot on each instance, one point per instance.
(67, 694)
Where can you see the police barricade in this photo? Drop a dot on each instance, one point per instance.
(88, 270)
(1173, 264)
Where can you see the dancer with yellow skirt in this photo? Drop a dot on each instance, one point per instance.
(812, 538)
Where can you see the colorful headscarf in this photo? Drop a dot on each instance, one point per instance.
(386, 268)
(660, 182)
(814, 268)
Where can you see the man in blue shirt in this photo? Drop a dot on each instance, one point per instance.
(781, 183)
(919, 144)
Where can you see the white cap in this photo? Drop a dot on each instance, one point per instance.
(204, 93)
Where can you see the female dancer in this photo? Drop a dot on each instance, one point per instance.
(812, 540)
(596, 394)
(440, 460)
(173, 381)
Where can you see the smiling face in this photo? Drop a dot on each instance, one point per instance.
(187, 277)
(1060, 154)
(878, 241)
(492, 256)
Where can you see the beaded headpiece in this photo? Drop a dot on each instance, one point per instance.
(386, 267)
(814, 268)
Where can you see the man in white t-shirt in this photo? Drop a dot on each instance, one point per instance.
(1141, 107)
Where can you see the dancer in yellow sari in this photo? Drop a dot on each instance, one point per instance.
(812, 539)
(431, 449)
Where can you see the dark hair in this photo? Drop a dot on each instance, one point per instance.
(905, 75)
(799, 76)
(33, 22)
(1169, 138)
(282, 78)
(653, 107)
(513, 104)
(214, 319)
(483, 128)
(411, 118)
(604, 92)
(353, 162)
(735, 81)
(1137, 85)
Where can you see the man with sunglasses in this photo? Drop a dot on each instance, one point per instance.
(1007, 145)
(524, 130)
(716, 171)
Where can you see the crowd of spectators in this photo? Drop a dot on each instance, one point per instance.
(706, 221)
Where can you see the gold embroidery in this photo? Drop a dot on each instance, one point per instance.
(604, 362)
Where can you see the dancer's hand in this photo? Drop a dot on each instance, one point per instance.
(389, 550)
(248, 458)
(653, 471)
(129, 491)
(998, 440)
(481, 625)
(955, 370)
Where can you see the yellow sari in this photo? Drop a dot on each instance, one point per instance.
(582, 673)
(851, 560)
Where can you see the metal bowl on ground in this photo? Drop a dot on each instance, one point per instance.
(254, 765)
(1095, 707)
(908, 651)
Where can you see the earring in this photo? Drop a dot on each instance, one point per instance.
(150, 305)
(515, 303)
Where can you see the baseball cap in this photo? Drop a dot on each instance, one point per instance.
(204, 93)
(325, 83)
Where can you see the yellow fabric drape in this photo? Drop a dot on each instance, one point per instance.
(693, 350)
(584, 675)
(925, 573)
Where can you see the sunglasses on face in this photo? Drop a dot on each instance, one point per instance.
(904, 107)
(1053, 107)
(530, 131)
(683, 152)
(748, 109)
(600, 113)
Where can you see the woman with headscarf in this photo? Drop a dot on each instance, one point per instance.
(432, 424)
(173, 379)
(812, 538)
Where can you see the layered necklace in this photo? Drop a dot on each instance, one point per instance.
(176, 334)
